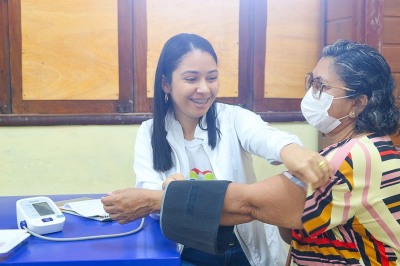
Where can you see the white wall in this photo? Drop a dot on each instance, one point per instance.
(87, 159)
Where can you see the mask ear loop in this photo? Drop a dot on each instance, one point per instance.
(343, 97)
(340, 119)
(353, 114)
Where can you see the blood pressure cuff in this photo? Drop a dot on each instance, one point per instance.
(191, 212)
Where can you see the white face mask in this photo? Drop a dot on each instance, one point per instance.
(315, 111)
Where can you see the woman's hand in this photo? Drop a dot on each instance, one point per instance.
(171, 178)
(308, 166)
(130, 204)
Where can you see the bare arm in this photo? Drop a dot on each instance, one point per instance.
(275, 200)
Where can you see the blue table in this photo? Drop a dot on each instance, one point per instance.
(147, 247)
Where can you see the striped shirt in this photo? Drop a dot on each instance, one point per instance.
(355, 218)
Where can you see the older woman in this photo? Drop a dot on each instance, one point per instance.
(355, 218)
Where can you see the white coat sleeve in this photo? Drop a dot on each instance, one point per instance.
(258, 138)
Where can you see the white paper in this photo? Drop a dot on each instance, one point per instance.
(10, 238)
(87, 208)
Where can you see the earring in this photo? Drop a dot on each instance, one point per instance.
(166, 97)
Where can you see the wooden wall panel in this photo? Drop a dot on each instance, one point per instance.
(221, 28)
(391, 34)
(339, 29)
(69, 50)
(392, 8)
(293, 46)
(67, 106)
(279, 66)
(338, 9)
(342, 20)
(392, 55)
(5, 93)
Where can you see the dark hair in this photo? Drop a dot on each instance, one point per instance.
(366, 71)
(171, 56)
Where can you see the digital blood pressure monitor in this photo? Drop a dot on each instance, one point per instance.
(40, 215)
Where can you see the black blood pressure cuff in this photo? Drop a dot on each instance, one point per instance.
(191, 212)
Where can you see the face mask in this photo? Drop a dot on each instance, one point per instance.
(315, 111)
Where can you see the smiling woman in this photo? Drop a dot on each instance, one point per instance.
(205, 140)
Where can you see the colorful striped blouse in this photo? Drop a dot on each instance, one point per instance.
(355, 218)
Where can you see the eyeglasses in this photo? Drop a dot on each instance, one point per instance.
(319, 86)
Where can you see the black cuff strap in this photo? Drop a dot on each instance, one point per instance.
(190, 215)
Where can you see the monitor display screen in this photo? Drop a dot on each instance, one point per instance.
(43, 208)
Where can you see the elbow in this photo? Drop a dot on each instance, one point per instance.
(237, 214)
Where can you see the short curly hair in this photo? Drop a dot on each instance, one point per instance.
(363, 69)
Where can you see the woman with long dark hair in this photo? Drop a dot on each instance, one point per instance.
(193, 135)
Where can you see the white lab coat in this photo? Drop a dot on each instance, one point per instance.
(243, 133)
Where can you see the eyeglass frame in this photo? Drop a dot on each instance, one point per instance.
(309, 82)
